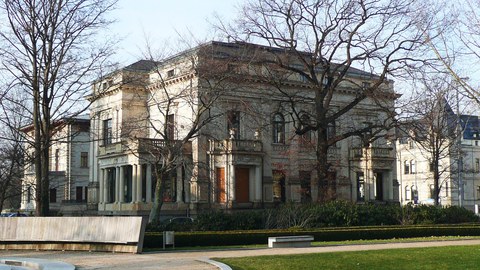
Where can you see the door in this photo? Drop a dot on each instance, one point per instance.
(242, 186)
(221, 194)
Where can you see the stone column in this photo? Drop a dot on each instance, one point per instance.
(258, 184)
(134, 183)
(139, 182)
(117, 184)
(122, 185)
(148, 175)
(101, 199)
(105, 186)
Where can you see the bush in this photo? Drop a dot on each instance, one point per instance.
(191, 239)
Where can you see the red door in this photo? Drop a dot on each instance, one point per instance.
(242, 184)
(221, 197)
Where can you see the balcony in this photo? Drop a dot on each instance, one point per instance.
(374, 152)
(109, 149)
(236, 146)
(148, 145)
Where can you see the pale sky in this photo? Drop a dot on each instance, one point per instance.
(160, 20)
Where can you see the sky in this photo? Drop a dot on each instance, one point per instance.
(163, 21)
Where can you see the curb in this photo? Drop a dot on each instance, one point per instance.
(220, 265)
(39, 264)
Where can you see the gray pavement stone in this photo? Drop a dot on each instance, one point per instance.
(197, 260)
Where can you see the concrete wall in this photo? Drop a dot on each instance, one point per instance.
(121, 234)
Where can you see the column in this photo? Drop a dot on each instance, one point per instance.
(148, 174)
(105, 185)
(117, 184)
(139, 183)
(231, 184)
(258, 184)
(121, 192)
(134, 183)
(101, 199)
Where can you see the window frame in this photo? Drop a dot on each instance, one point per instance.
(278, 123)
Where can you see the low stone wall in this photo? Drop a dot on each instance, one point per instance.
(117, 234)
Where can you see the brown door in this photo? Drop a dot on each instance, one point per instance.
(221, 197)
(242, 184)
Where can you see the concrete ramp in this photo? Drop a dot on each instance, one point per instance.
(118, 234)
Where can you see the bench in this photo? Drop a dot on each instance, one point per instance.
(290, 241)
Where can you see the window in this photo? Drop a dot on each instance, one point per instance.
(411, 144)
(278, 128)
(414, 194)
(29, 194)
(413, 169)
(360, 187)
(430, 166)
(84, 160)
(107, 132)
(53, 195)
(233, 124)
(432, 191)
(478, 192)
(408, 194)
(79, 194)
(170, 73)
(365, 85)
(477, 165)
(305, 186)
(278, 186)
(406, 167)
(170, 127)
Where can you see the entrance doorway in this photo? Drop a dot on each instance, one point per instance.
(242, 184)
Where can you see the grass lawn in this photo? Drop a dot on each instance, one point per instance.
(437, 258)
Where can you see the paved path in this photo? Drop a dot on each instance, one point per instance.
(189, 260)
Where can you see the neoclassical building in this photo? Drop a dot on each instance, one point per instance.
(68, 174)
(245, 155)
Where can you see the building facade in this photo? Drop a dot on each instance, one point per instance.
(68, 173)
(459, 167)
(245, 155)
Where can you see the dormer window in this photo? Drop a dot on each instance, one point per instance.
(170, 73)
(365, 85)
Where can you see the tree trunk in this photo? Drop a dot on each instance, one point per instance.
(436, 181)
(158, 200)
(326, 186)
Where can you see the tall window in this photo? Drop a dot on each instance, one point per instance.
(408, 194)
(305, 185)
(278, 128)
(29, 194)
(413, 168)
(170, 127)
(84, 160)
(432, 191)
(233, 123)
(107, 131)
(477, 165)
(53, 195)
(406, 167)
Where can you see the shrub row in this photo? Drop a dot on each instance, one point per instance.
(333, 214)
(191, 239)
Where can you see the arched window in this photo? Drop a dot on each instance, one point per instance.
(278, 128)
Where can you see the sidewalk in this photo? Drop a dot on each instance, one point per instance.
(189, 260)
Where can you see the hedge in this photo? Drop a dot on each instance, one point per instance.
(225, 238)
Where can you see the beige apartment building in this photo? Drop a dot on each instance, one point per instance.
(247, 154)
(415, 171)
(68, 172)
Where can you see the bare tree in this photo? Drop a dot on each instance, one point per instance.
(11, 158)
(178, 104)
(326, 43)
(49, 51)
(432, 124)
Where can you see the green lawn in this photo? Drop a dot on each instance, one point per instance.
(437, 258)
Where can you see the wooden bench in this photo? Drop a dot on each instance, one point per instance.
(290, 241)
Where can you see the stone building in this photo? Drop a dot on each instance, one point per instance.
(247, 154)
(460, 165)
(68, 172)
